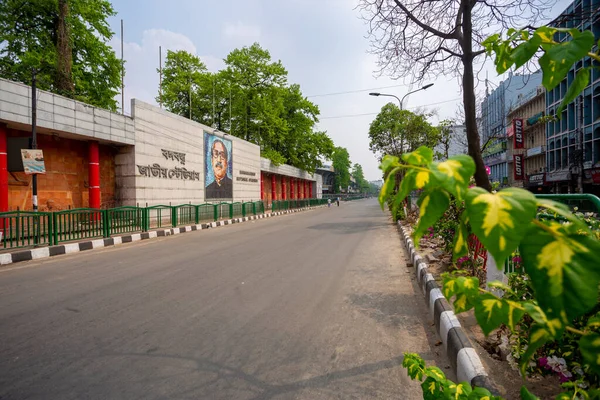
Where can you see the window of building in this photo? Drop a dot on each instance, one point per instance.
(596, 151)
(564, 119)
(572, 116)
(551, 161)
(587, 149)
(587, 109)
(565, 157)
(557, 159)
(597, 132)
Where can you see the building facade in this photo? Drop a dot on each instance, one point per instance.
(98, 159)
(494, 110)
(526, 142)
(457, 142)
(573, 141)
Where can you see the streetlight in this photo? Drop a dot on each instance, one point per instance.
(401, 100)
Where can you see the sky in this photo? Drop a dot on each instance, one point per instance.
(321, 43)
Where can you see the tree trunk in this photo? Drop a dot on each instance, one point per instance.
(481, 177)
(64, 76)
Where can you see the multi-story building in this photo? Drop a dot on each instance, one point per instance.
(494, 110)
(577, 133)
(527, 160)
(457, 143)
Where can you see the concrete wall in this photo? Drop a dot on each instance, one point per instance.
(287, 170)
(62, 115)
(138, 181)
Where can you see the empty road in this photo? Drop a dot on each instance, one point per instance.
(314, 305)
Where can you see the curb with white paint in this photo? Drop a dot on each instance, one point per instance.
(69, 248)
(464, 359)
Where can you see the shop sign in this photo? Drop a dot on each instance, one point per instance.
(519, 141)
(536, 179)
(518, 167)
(558, 176)
(495, 159)
(534, 151)
(595, 175)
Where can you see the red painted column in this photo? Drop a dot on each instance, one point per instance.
(283, 193)
(94, 174)
(262, 185)
(292, 189)
(299, 189)
(273, 189)
(3, 170)
(310, 190)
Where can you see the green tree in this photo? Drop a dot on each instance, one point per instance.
(341, 165)
(66, 41)
(444, 139)
(396, 131)
(359, 178)
(185, 79)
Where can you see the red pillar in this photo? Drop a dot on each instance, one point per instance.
(94, 174)
(3, 170)
(299, 189)
(283, 193)
(292, 189)
(262, 185)
(310, 190)
(273, 189)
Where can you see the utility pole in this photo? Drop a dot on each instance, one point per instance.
(122, 74)
(580, 154)
(34, 136)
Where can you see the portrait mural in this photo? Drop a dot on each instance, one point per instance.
(218, 167)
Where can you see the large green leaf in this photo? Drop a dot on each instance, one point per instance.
(432, 389)
(492, 311)
(388, 186)
(454, 174)
(388, 161)
(552, 324)
(421, 156)
(558, 59)
(589, 345)
(500, 220)
(523, 52)
(526, 395)
(575, 88)
(564, 268)
(432, 205)
(414, 365)
(460, 244)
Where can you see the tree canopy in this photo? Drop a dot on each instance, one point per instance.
(250, 98)
(66, 41)
(395, 131)
(418, 39)
(341, 165)
(359, 178)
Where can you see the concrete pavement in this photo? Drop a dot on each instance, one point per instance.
(317, 305)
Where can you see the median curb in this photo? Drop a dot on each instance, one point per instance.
(462, 355)
(69, 248)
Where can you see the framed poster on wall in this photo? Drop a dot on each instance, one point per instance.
(218, 167)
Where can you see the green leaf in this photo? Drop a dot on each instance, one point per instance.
(575, 88)
(589, 346)
(492, 311)
(558, 59)
(594, 322)
(563, 269)
(388, 161)
(480, 393)
(460, 390)
(421, 156)
(414, 365)
(526, 394)
(525, 51)
(435, 373)
(538, 336)
(552, 324)
(503, 57)
(432, 389)
(432, 205)
(545, 34)
(500, 220)
(460, 244)
(388, 187)
(454, 174)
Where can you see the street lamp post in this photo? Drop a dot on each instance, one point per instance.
(396, 97)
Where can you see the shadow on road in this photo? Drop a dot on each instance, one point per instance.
(349, 227)
(219, 378)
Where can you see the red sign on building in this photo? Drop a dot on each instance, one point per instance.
(518, 166)
(519, 140)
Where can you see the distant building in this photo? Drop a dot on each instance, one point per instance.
(575, 135)
(494, 110)
(527, 162)
(457, 143)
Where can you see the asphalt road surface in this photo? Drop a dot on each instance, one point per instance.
(314, 305)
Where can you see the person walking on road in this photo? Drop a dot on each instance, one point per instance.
(329, 203)
(338, 201)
